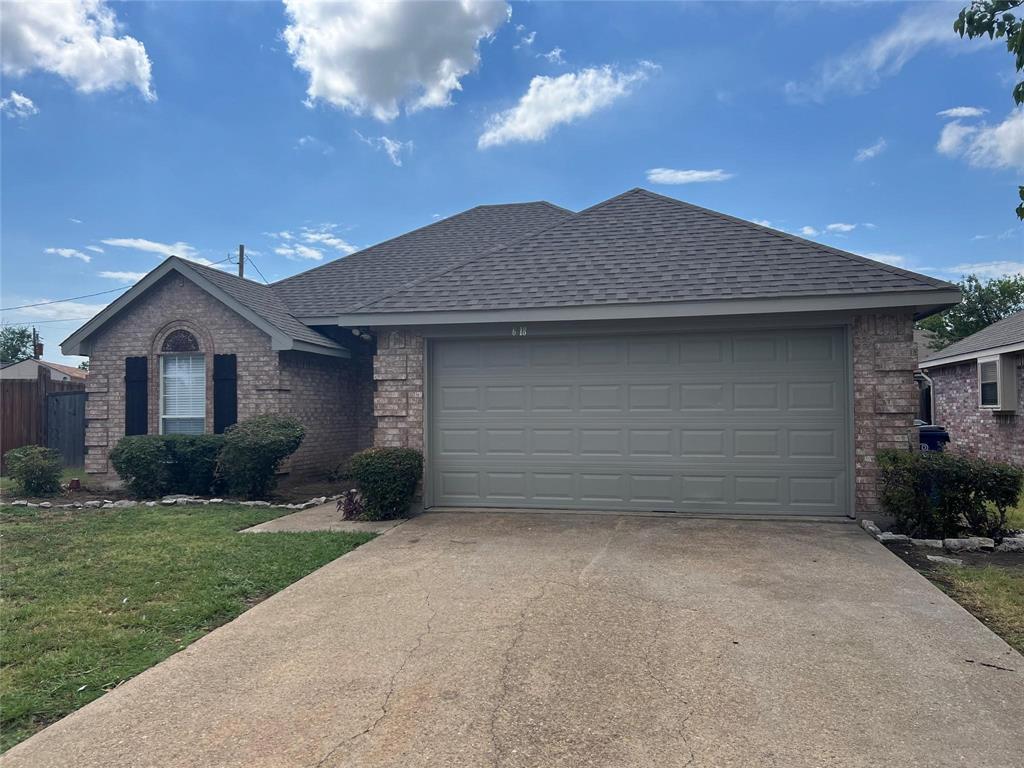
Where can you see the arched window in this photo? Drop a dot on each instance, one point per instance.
(180, 341)
(182, 385)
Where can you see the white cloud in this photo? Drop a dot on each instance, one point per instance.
(307, 244)
(840, 226)
(553, 101)
(763, 222)
(554, 56)
(60, 310)
(375, 57)
(391, 147)
(862, 68)
(299, 252)
(989, 268)
(77, 40)
(314, 144)
(957, 112)
(69, 253)
(809, 231)
(94, 249)
(123, 277)
(893, 259)
(73, 220)
(986, 146)
(673, 176)
(867, 153)
(18, 106)
(184, 250)
(527, 37)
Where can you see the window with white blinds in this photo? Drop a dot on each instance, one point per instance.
(182, 394)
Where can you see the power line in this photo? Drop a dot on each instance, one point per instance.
(90, 295)
(60, 301)
(40, 322)
(258, 270)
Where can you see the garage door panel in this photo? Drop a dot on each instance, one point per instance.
(750, 423)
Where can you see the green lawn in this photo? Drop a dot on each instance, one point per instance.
(93, 598)
(992, 593)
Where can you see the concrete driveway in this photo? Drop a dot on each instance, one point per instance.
(462, 639)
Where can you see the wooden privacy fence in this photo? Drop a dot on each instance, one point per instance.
(26, 413)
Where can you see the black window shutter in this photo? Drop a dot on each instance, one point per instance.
(136, 395)
(225, 392)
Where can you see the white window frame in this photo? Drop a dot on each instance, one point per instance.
(163, 417)
(1005, 381)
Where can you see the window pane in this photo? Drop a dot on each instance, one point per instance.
(988, 371)
(183, 404)
(183, 426)
(989, 393)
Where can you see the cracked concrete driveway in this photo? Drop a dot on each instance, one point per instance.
(463, 639)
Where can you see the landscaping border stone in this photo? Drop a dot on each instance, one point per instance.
(177, 499)
(967, 544)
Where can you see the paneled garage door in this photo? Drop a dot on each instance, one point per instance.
(752, 422)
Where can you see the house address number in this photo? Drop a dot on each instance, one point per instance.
(518, 330)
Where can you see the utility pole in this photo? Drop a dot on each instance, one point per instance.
(241, 260)
(37, 348)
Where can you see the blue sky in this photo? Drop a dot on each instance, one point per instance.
(305, 131)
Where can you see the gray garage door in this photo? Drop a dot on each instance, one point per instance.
(752, 422)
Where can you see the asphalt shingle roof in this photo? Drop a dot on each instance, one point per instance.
(642, 247)
(1009, 330)
(355, 279)
(262, 300)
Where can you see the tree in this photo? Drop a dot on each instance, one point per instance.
(15, 343)
(84, 365)
(982, 305)
(993, 18)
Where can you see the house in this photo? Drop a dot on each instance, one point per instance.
(642, 354)
(29, 368)
(977, 389)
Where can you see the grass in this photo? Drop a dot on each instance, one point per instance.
(93, 598)
(992, 593)
(1015, 516)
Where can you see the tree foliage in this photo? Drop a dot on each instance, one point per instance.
(15, 343)
(983, 304)
(992, 19)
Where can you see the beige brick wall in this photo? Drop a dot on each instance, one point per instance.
(398, 399)
(885, 396)
(330, 396)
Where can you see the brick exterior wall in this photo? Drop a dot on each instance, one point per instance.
(885, 396)
(974, 430)
(330, 396)
(398, 399)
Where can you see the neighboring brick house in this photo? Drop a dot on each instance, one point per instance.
(978, 391)
(643, 354)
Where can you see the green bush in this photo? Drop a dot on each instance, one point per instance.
(141, 463)
(192, 463)
(35, 468)
(387, 478)
(940, 495)
(253, 450)
(157, 465)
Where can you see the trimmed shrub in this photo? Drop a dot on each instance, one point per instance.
(940, 495)
(387, 478)
(141, 462)
(253, 451)
(192, 463)
(36, 469)
(156, 465)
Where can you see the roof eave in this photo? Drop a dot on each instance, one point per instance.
(78, 343)
(922, 302)
(964, 357)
